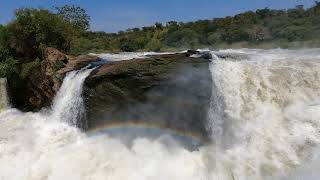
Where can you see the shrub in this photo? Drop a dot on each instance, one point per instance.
(58, 65)
(27, 68)
(34, 29)
(8, 67)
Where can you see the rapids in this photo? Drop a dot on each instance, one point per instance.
(264, 119)
(126, 55)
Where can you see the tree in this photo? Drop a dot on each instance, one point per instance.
(4, 51)
(76, 15)
(2, 34)
(34, 29)
(7, 67)
(292, 33)
(158, 25)
(263, 13)
(154, 45)
(183, 37)
(236, 35)
(298, 12)
(214, 38)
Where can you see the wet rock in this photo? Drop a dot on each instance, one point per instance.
(171, 91)
(206, 55)
(192, 52)
(39, 88)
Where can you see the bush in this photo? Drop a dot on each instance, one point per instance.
(34, 29)
(58, 65)
(27, 68)
(8, 67)
(154, 45)
(292, 33)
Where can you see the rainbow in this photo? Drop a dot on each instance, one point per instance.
(120, 126)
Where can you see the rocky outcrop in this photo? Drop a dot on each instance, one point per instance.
(38, 89)
(170, 91)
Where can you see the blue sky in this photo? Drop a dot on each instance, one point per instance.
(112, 16)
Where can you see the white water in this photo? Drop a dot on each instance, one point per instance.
(264, 117)
(271, 104)
(68, 103)
(126, 55)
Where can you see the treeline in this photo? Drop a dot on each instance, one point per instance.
(66, 28)
(251, 29)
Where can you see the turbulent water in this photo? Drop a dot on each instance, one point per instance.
(264, 118)
(68, 104)
(126, 55)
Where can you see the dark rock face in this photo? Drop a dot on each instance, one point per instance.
(170, 91)
(40, 87)
(206, 55)
(192, 52)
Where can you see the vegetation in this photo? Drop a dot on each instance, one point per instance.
(28, 68)
(263, 28)
(7, 67)
(23, 40)
(67, 28)
(75, 15)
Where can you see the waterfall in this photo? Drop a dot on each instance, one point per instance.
(4, 100)
(68, 103)
(264, 117)
(265, 106)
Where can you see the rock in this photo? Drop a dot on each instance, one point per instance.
(206, 55)
(75, 63)
(200, 54)
(53, 59)
(39, 89)
(192, 52)
(171, 91)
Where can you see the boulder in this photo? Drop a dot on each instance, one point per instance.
(39, 88)
(206, 55)
(192, 52)
(171, 91)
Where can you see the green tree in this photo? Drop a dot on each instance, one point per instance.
(2, 34)
(297, 12)
(75, 15)
(7, 67)
(34, 29)
(154, 45)
(4, 51)
(158, 25)
(292, 33)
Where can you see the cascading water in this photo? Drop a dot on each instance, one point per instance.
(271, 106)
(264, 118)
(68, 103)
(4, 102)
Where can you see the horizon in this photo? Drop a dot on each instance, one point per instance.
(124, 14)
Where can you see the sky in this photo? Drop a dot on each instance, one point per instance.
(115, 15)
